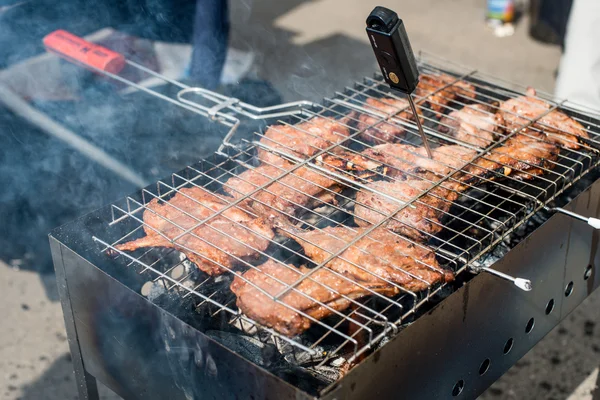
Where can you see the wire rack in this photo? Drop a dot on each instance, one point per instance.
(488, 210)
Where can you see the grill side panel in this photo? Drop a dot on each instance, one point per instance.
(86, 384)
(582, 253)
(141, 351)
(431, 357)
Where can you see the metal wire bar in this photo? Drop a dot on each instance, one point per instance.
(228, 269)
(386, 219)
(175, 207)
(180, 285)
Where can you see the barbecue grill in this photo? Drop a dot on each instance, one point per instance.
(150, 324)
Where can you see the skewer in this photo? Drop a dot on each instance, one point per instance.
(418, 120)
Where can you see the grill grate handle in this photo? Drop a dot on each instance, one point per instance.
(593, 222)
(109, 63)
(521, 283)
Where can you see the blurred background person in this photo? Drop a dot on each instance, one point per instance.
(202, 23)
(579, 71)
(210, 42)
(548, 20)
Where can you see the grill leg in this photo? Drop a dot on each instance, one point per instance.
(596, 389)
(86, 383)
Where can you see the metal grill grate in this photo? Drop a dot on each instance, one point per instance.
(488, 211)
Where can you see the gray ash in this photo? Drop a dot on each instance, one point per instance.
(282, 358)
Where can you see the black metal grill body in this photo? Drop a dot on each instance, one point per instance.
(143, 350)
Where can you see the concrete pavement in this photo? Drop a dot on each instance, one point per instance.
(309, 49)
(35, 363)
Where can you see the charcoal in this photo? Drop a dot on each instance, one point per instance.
(246, 346)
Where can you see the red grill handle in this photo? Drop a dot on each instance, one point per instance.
(74, 48)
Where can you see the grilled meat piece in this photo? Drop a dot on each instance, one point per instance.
(388, 131)
(380, 256)
(419, 220)
(474, 124)
(294, 193)
(556, 126)
(463, 89)
(316, 296)
(213, 246)
(446, 159)
(521, 157)
(304, 139)
(438, 101)
(401, 159)
(543, 156)
(352, 163)
(405, 161)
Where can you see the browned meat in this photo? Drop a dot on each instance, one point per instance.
(420, 220)
(316, 296)
(302, 140)
(446, 159)
(401, 159)
(297, 191)
(352, 163)
(529, 157)
(438, 101)
(518, 154)
(213, 246)
(406, 160)
(462, 88)
(521, 157)
(556, 126)
(382, 255)
(389, 131)
(544, 156)
(473, 124)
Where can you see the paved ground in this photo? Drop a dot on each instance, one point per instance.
(309, 49)
(34, 357)
(312, 48)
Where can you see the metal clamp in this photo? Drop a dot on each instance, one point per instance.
(238, 107)
(212, 112)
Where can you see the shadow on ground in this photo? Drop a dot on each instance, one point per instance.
(58, 383)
